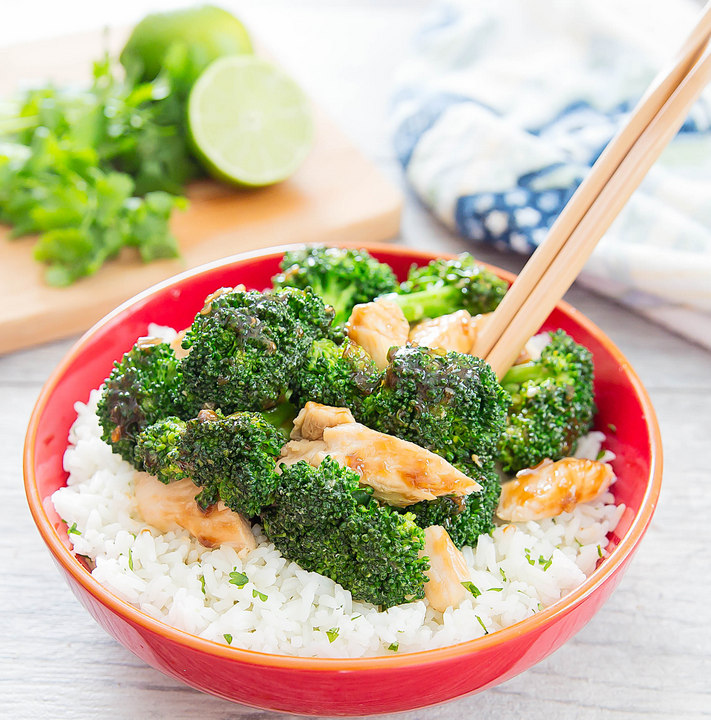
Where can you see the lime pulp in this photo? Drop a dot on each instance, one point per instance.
(249, 122)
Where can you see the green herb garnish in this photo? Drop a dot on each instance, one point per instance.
(228, 638)
(95, 170)
(481, 622)
(599, 551)
(495, 589)
(473, 589)
(257, 594)
(238, 578)
(503, 574)
(130, 559)
(202, 584)
(73, 530)
(332, 634)
(394, 646)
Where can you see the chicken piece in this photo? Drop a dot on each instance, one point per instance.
(150, 341)
(376, 327)
(400, 472)
(524, 356)
(456, 331)
(146, 341)
(314, 418)
(551, 488)
(170, 507)
(178, 349)
(448, 570)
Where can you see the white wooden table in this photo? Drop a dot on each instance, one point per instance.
(647, 654)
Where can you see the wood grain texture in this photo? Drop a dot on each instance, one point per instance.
(646, 654)
(336, 194)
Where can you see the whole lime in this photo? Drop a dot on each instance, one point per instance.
(201, 34)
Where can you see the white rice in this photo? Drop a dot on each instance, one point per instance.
(518, 569)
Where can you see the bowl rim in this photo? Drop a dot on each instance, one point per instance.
(70, 564)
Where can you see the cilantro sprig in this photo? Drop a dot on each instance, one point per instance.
(96, 170)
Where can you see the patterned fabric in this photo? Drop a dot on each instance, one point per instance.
(505, 105)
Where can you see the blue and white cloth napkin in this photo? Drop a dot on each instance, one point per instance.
(504, 106)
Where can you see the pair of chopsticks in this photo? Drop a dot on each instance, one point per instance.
(618, 171)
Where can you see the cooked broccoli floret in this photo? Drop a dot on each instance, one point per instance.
(247, 347)
(232, 458)
(157, 449)
(553, 404)
(324, 521)
(343, 277)
(339, 375)
(143, 387)
(445, 286)
(464, 518)
(446, 402)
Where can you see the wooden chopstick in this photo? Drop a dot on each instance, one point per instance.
(686, 71)
(564, 268)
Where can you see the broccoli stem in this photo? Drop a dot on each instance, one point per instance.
(338, 298)
(430, 303)
(524, 372)
(281, 417)
(519, 374)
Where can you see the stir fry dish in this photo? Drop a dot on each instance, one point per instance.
(343, 413)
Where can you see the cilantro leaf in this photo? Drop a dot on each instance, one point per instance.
(238, 578)
(96, 170)
(473, 589)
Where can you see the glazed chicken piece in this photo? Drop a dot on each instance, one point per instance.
(376, 327)
(448, 570)
(456, 331)
(400, 472)
(551, 488)
(178, 349)
(314, 418)
(173, 506)
(149, 341)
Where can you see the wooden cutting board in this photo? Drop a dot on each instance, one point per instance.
(337, 195)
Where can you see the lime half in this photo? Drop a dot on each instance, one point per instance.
(249, 122)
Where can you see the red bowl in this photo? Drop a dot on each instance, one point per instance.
(326, 686)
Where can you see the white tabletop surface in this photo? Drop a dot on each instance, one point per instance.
(646, 654)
